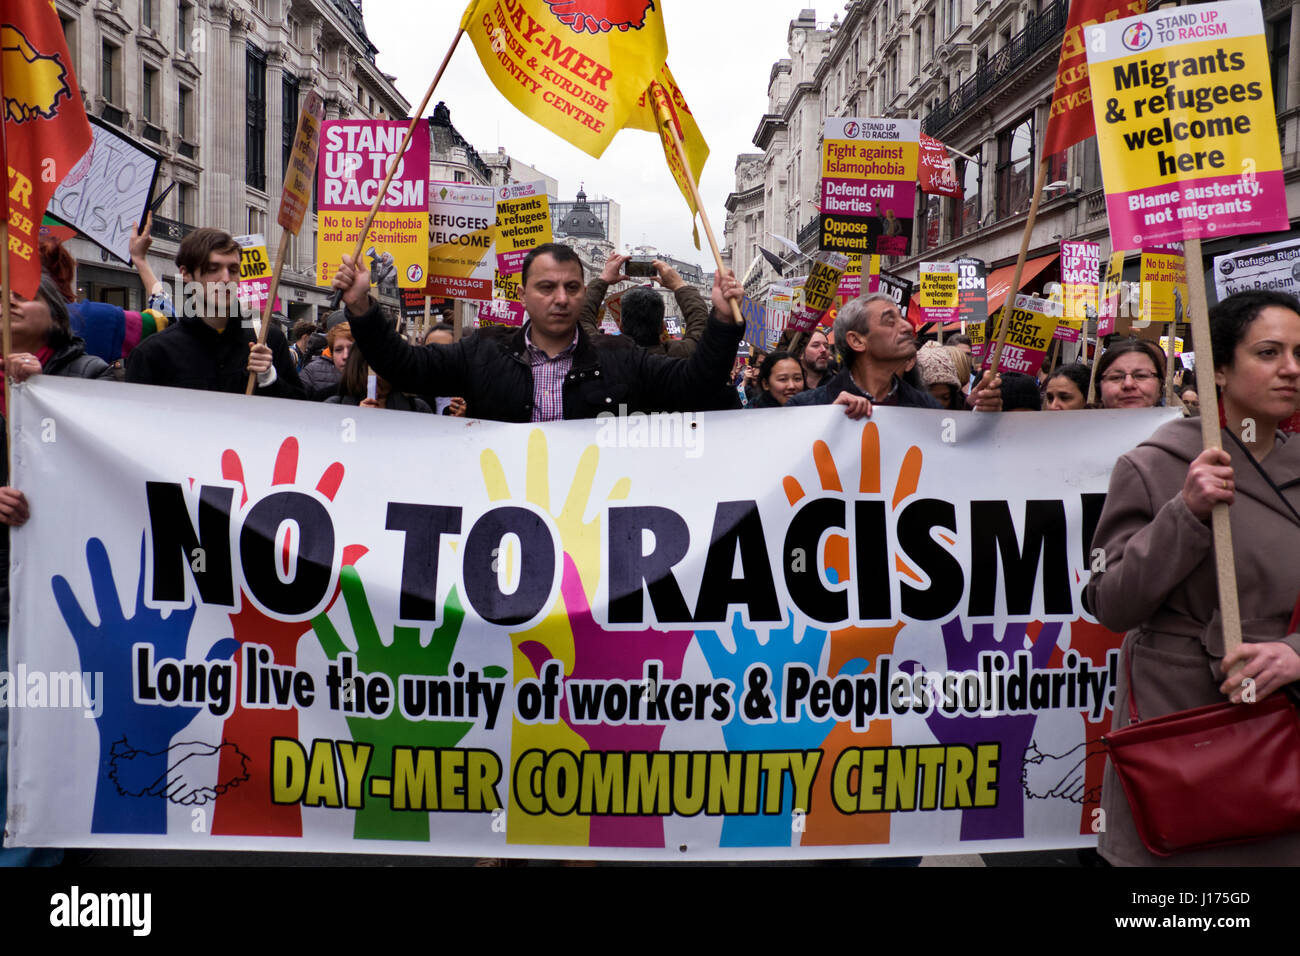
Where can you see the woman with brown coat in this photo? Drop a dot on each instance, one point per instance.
(1159, 580)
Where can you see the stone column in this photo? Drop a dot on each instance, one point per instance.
(237, 96)
(217, 112)
(274, 148)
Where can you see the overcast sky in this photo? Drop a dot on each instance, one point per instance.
(720, 51)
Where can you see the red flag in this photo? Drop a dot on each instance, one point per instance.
(1071, 120)
(46, 130)
(936, 172)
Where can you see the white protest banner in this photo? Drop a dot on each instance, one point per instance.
(1275, 267)
(107, 190)
(289, 633)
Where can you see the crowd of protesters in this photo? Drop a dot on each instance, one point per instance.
(560, 365)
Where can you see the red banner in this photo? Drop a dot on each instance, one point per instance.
(936, 174)
(45, 127)
(1071, 120)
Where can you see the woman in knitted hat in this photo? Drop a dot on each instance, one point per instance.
(945, 371)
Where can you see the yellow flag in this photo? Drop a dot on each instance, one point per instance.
(697, 151)
(578, 67)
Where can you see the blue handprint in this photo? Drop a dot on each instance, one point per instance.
(804, 734)
(124, 725)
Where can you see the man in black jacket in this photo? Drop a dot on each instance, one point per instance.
(549, 369)
(876, 344)
(206, 350)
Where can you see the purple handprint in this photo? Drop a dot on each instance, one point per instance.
(125, 726)
(600, 655)
(1012, 732)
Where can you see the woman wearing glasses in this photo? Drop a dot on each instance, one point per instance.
(1157, 580)
(1131, 374)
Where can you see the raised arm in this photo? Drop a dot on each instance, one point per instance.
(425, 369)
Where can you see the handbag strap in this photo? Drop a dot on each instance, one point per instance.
(1263, 474)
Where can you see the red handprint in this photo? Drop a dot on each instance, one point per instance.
(601, 16)
(247, 810)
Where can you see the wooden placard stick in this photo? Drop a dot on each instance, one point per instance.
(428, 307)
(1096, 356)
(6, 338)
(1009, 306)
(1212, 437)
(666, 121)
(293, 202)
(1169, 363)
(416, 117)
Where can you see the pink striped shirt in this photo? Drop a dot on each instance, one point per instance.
(548, 378)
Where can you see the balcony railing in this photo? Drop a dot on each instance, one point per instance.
(170, 229)
(1045, 30)
(808, 234)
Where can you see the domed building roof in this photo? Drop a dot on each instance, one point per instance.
(581, 222)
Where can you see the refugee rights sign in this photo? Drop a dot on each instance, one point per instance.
(872, 646)
(1185, 124)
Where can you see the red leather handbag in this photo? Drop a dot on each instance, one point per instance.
(1211, 776)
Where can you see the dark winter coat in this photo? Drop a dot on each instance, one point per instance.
(189, 353)
(493, 374)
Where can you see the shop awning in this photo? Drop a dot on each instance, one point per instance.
(999, 280)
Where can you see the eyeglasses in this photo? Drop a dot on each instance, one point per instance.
(1117, 378)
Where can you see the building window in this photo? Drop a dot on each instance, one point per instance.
(1090, 165)
(460, 176)
(289, 114)
(149, 95)
(1279, 46)
(1015, 168)
(185, 114)
(184, 25)
(966, 211)
(255, 138)
(186, 204)
(149, 14)
(110, 83)
(70, 35)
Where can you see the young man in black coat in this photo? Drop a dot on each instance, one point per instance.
(210, 347)
(549, 369)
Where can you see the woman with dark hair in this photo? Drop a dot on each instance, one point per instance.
(1131, 374)
(779, 377)
(1067, 389)
(355, 389)
(1158, 579)
(43, 342)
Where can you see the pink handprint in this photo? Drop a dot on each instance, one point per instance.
(612, 655)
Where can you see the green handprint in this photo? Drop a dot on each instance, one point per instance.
(377, 820)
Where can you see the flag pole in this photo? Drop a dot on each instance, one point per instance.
(1009, 306)
(666, 122)
(6, 340)
(1212, 437)
(416, 117)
